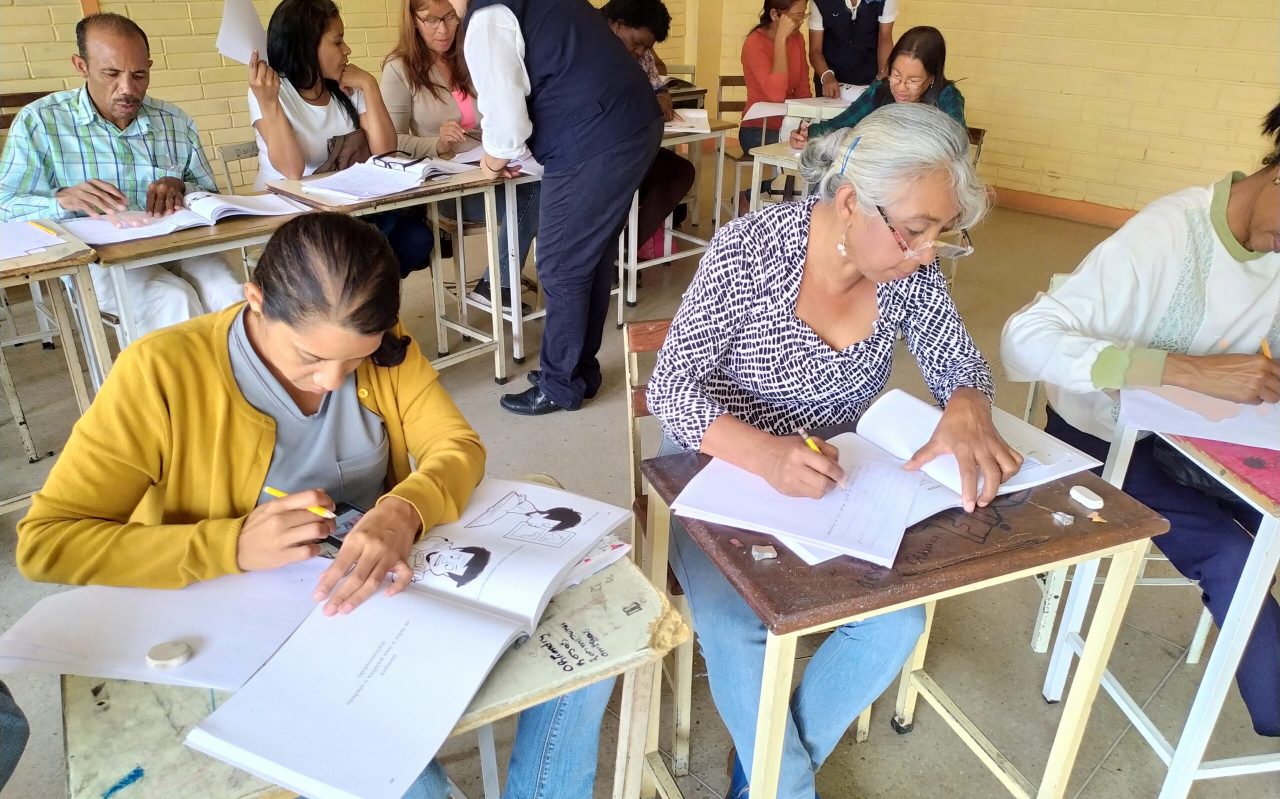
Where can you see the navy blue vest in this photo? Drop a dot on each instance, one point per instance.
(587, 93)
(849, 41)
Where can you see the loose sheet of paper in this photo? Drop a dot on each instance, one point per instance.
(22, 238)
(233, 624)
(762, 110)
(363, 182)
(241, 31)
(689, 120)
(1177, 411)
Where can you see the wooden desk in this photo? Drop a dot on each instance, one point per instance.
(949, 554)
(781, 155)
(115, 726)
(688, 96)
(629, 258)
(1253, 474)
(454, 188)
(68, 259)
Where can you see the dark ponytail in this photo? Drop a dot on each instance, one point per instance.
(1271, 129)
(780, 6)
(336, 268)
(293, 37)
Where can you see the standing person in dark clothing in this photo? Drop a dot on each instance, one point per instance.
(849, 43)
(553, 78)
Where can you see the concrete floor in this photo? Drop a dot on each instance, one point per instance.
(979, 650)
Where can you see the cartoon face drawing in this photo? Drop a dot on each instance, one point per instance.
(518, 519)
(460, 564)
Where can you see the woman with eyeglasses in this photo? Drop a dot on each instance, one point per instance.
(917, 66)
(775, 65)
(306, 99)
(432, 102)
(791, 322)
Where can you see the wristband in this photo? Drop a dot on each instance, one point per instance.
(823, 76)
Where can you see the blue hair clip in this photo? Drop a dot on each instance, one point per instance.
(849, 152)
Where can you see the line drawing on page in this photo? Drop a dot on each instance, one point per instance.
(442, 559)
(520, 520)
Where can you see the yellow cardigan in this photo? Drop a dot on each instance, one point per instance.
(160, 473)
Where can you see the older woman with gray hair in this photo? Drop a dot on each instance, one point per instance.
(791, 322)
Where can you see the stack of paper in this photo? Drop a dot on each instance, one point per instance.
(363, 182)
(24, 238)
(1180, 412)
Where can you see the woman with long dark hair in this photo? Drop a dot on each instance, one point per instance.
(432, 102)
(775, 66)
(917, 74)
(306, 97)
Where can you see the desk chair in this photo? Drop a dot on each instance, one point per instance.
(976, 137)
(1052, 583)
(227, 155)
(682, 71)
(646, 338)
(740, 158)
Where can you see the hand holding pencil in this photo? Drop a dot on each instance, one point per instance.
(284, 530)
(802, 466)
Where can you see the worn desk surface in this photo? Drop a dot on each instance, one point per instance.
(27, 268)
(615, 621)
(1252, 472)
(949, 550)
(177, 244)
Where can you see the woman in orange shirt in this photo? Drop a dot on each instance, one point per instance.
(775, 64)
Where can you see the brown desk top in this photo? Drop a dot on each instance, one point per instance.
(716, 126)
(950, 550)
(292, 189)
(236, 227)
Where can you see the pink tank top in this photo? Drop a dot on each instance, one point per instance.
(467, 105)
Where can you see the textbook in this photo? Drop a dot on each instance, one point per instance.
(383, 176)
(867, 517)
(201, 208)
(357, 705)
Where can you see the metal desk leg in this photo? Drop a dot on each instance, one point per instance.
(1093, 662)
(124, 305)
(1255, 584)
(514, 269)
(757, 175)
(908, 693)
(91, 326)
(437, 282)
(715, 208)
(1055, 680)
(495, 287)
(633, 249)
(62, 318)
(771, 719)
(637, 700)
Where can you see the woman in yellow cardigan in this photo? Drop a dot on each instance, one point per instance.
(310, 386)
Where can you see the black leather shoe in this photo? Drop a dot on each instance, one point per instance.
(530, 402)
(535, 377)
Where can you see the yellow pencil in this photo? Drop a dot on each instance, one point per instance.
(808, 440)
(323, 513)
(39, 226)
(1266, 348)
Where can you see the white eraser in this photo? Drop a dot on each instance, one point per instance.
(169, 655)
(1086, 497)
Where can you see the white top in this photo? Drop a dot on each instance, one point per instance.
(1172, 279)
(494, 50)
(313, 125)
(889, 14)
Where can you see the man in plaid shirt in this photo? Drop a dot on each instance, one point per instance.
(108, 148)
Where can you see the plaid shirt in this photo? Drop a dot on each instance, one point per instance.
(61, 141)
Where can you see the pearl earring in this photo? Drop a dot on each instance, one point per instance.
(840, 248)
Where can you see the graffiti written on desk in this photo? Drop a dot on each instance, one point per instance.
(978, 527)
(572, 649)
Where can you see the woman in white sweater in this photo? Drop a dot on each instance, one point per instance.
(432, 102)
(1182, 295)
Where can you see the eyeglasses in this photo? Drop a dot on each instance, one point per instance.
(449, 20)
(941, 249)
(910, 83)
(397, 159)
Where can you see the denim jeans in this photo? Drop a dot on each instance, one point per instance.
(554, 754)
(13, 734)
(527, 205)
(851, 668)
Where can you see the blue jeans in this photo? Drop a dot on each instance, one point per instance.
(409, 235)
(554, 754)
(851, 668)
(527, 207)
(13, 734)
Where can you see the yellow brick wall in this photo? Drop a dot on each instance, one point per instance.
(37, 38)
(1114, 102)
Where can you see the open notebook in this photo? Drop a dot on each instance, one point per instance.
(387, 683)
(201, 208)
(867, 517)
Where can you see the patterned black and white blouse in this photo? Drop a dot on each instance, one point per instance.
(736, 345)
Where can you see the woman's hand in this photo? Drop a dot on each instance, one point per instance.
(787, 25)
(664, 103)
(793, 469)
(353, 77)
(493, 168)
(1250, 379)
(800, 136)
(967, 432)
(379, 544)
(830, 86)
(450, 134)
(263, 81)
(283, 531)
